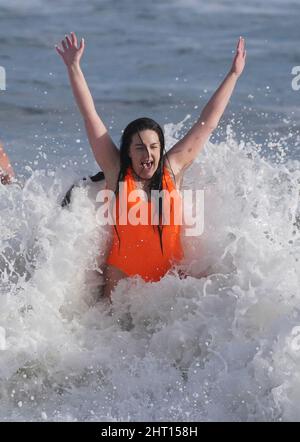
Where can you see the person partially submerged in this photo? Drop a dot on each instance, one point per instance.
(142, 163)
(6, 171)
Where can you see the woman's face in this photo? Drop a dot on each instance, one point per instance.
(144, 152)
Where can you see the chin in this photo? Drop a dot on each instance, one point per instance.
(148, 173)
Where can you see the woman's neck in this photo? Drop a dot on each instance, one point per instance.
(141, 180)
(141, 183)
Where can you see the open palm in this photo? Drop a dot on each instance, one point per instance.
(239, 60)
(70, 53)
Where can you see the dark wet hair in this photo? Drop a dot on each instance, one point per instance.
(135, 127)
(67, 198)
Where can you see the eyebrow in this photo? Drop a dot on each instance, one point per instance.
(142, 144)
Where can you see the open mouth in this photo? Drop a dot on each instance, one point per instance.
(147, 164)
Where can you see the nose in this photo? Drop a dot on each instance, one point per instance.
(147, 152)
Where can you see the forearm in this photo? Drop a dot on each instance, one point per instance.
(82, 93)
(104, 149)
(215, 108)
(186, 150)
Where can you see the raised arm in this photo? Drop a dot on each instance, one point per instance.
(183, 153)
(6, 170)
(104, 149)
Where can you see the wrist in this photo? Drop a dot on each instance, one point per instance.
(233, 74)
(74, 67)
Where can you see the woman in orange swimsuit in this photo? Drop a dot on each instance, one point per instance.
(141, 163)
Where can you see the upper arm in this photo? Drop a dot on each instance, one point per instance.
(186, 150)
(105, 151)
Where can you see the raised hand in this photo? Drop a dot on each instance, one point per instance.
(70, 53)
(239, 60)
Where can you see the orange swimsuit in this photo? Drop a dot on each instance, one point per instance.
(139, 251)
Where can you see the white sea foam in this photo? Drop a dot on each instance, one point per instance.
(222, 344)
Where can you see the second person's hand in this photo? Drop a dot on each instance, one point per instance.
(70, 52)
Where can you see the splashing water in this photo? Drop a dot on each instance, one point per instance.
(222, 344)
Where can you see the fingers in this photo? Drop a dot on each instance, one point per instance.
(68, 40)
(243, 50)
(59, 51)
(74, 39)
(81, 44)
(241, 45)
(64, 45)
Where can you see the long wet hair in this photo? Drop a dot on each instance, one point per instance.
(156, 182)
